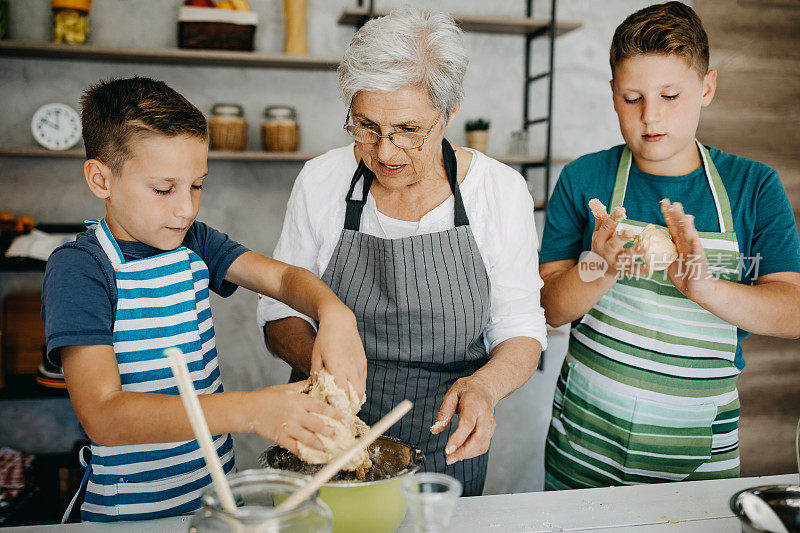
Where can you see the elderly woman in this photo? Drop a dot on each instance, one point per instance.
(433, 246)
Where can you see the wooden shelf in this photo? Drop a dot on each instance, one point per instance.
(41, 152)
(480, 24)
(257, 155)
(176, 56)
(248, 155)
(251, 155)
(529, 160)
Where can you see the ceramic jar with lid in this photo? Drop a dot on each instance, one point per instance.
(280, 131)
(227, 128)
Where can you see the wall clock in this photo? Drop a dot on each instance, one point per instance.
(56, 126)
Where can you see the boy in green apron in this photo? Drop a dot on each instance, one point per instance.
(647, 392)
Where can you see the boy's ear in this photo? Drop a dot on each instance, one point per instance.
(709, 87)
(98, 178)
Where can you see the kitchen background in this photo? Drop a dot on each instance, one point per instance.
(756, 112)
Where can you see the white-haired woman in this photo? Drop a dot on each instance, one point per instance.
(432, 246)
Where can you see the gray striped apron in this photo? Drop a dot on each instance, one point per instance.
(422, 303)
(647, 392)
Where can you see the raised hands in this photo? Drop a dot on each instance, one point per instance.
(608, 244)
(690, 273)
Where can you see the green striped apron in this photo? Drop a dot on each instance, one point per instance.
(647, 392)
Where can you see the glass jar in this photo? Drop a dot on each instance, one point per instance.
(256, 493)
(70, 21)
(227, 128)
(431, 498)
(280, 131)
(519, 143)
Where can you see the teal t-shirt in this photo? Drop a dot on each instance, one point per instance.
(762, 216)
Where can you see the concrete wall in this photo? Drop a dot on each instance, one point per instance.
(247, 199)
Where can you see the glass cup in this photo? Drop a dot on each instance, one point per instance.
(431, 498)
(257, 492)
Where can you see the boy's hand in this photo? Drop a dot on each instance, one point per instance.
(284, 416)
(339, 349)
(690, 273)
(608, 244)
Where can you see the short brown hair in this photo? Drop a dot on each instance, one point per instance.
(116, 111)
(670, 28)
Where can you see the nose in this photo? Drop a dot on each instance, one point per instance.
(183, 207)
(385, 149)
(651, 111)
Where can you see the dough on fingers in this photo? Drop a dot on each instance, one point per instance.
(601, 212)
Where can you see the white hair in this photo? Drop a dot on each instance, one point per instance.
(407, 48)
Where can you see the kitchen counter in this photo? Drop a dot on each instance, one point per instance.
(696, 506)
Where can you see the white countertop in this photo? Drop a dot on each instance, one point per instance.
(695, 506)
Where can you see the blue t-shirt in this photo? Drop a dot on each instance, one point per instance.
(762, 216)
(79, 292)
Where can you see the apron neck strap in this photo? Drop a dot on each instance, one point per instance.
(718, 191)
(352, 218)
(621, 181)
(721, 199)
(107, 241)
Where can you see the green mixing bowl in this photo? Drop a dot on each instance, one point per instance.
(375, 505)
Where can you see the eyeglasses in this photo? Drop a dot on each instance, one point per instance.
(406, 140)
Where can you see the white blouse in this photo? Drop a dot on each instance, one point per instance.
(500, 211)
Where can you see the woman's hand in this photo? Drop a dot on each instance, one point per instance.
(284, 416)
(608, 244)
(474, 402)
(339, 349)
(690, 273)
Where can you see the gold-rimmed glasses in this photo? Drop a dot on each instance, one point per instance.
(406, 140)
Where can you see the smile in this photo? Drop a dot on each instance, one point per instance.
(390, 169)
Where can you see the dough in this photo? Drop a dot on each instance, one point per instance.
(659, 252)
(600, 211)
(323, 387)
(658, 249)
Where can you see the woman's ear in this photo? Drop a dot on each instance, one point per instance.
(98, 178)
(453, 113)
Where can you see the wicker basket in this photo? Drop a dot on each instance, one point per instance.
(221, 29)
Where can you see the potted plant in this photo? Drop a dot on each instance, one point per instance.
(477, 133)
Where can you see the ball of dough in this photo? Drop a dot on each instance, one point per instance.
(659, 252)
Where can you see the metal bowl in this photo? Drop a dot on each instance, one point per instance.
(783, 499)
(370, 506)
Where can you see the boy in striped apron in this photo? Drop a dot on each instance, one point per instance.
(647, 392)
(137, 282)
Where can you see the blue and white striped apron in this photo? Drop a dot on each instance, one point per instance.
(162, 302)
